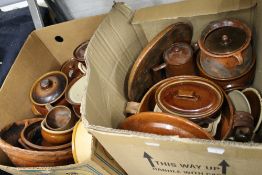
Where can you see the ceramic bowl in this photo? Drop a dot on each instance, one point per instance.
(56, 137)
(60, 118)
(30, 158)
(164, 124)
(80, 140)
(31, 138)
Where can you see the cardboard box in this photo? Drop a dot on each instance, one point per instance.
(43, 52)
(112, 51)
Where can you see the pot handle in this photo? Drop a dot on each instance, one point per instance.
(132, 107)
(49, 107)
(186, 94)
(239, 58)
(159, 67)
(82, 67)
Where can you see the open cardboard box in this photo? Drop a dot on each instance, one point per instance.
(45, 50)
(113, 49)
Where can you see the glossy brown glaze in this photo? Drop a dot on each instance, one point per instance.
(164, 124)
(141, 77)
(224, 128)
(178, 60)
(56, 137)
(72, 69)
(59, 118)
(225, 49)
(31, 137)
(79, 52)
(49, 88)
(243, 126)
(192, 97)
(29, 158)
(240, 82)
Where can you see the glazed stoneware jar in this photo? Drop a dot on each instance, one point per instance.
(48, 91)
(191, 97)
(226, 54)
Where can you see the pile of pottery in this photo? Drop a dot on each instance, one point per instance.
(46, 140)
(198, 90)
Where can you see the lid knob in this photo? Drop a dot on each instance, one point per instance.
(225, 39)
(46, 83)
(177, 49)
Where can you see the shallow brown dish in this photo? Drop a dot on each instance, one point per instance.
(224, 128)
(141, 78)
(29, 158)
(32, 138)
(164, 124)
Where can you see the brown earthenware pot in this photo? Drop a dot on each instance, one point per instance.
(191, 97)
(9, 136)
(73, 69)
(226, 52)
(48, 91)
(164, 124)
(56, 137)
(224, 128)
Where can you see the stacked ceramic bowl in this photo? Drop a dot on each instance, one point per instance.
(56, 98)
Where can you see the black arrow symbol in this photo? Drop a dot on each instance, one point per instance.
(149, 158)
(224, 166)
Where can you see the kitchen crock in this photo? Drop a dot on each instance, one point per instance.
(49, 90)
(79, 52)
(178, 60)
(226, 53)
(191, 97)
(73, 69)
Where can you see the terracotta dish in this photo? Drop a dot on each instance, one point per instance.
(164, 124)
(141, 77)
(73, 69)
(31, 137)
(224, 128)
(29, 158)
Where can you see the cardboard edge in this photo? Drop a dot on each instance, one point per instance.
(194, 8)
(125, 133)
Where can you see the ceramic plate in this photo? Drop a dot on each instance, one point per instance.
(239, 101)
(81, 139)
(255, 101)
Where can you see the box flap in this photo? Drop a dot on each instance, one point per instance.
(111, 52)
(189, 8)
(170, 155)
(55, 37)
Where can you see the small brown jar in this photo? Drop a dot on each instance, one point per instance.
(178, 60)
(226, 54)
(191, 97)
(48, 91)
(73, 69)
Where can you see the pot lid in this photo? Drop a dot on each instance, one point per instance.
(75, 90)
(48, 88)
(79, 52)
(190, 97)
(225, 40)
(178, 53)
